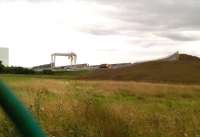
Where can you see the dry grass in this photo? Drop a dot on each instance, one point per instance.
(110, 108)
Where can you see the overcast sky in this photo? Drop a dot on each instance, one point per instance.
(99, 31)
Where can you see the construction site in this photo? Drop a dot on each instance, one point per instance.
(72, 59)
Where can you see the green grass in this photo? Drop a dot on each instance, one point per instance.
(74, 108)
(69, 75)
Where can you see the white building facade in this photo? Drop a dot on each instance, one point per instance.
(4, 56)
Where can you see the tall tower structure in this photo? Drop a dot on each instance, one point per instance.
(4, 56)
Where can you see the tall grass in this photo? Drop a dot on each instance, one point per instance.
(109, 108)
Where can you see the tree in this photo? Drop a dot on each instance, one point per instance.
(15, 70)
(1, 67)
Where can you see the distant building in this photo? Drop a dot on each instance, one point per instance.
(61, 68)
(4, 56)
(42, 67)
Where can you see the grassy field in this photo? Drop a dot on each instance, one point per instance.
(74, 108)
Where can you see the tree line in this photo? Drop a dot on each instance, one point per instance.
(20, 70)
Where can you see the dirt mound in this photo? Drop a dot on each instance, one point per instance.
(184, 70)
(185, 57)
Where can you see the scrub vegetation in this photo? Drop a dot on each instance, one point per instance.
(78, 108)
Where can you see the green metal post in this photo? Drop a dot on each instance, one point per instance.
(19, 114)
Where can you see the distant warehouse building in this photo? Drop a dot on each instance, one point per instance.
(4, 56)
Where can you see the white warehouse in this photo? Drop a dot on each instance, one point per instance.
(4, 56)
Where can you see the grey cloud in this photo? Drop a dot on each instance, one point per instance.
(137, 17)
(159, 15)
(178, 36)
(152, 43)
(145, 16)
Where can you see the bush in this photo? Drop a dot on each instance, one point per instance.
(47, 72)
(1, 67)
(18, 70)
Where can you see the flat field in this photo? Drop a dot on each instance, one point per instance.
(75, 108)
